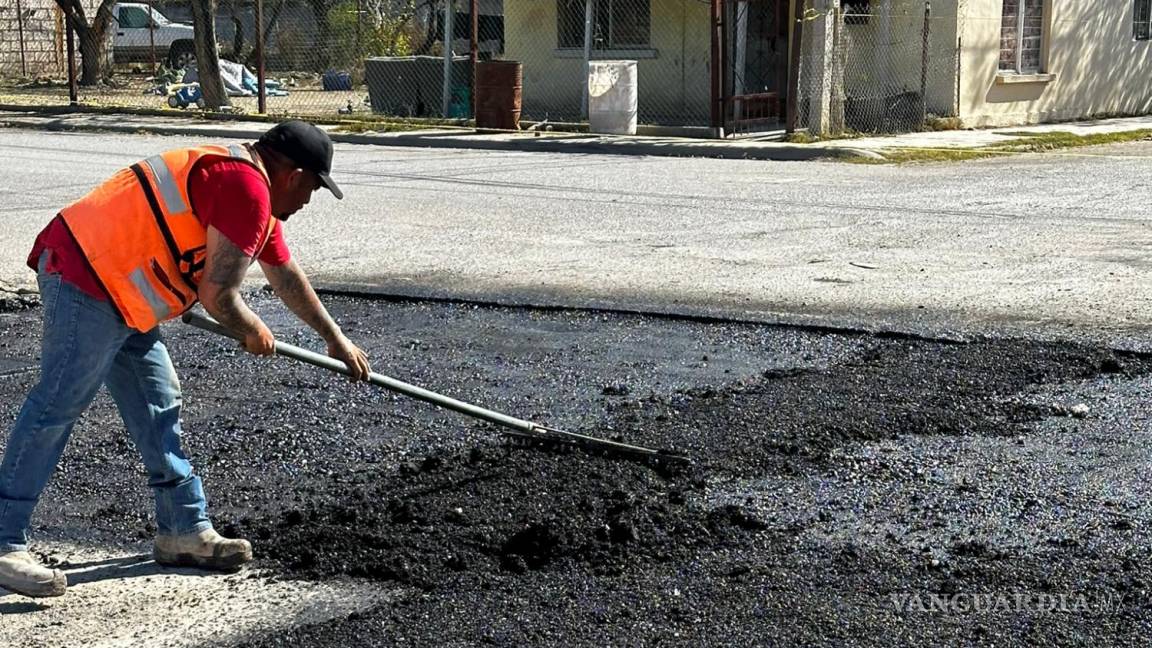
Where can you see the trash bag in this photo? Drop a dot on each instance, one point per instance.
(238, 80)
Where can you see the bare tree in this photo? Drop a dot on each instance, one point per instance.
(95, 60)
(320, 9)
(271, 26)
(237, 32)
(207, 58)
(432, 16)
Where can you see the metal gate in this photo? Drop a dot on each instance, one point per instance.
(755, 44)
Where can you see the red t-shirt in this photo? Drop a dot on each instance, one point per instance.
(228, 194)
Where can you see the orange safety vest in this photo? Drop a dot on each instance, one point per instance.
(141, 237)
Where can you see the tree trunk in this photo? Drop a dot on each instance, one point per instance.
(271, 26)
(95, 53)
(433, 26)
(207, 58)
(323, 33)
(237, 34)
(93, 57)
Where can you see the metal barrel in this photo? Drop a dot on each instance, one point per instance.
(498, 94)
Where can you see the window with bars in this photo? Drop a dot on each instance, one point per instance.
(1142, 20)
(857, 12)
(616, 24)
(1021, 36)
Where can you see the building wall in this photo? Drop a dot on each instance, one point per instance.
(1097, 66)
(42, 53)
(42, 44)
(673, 76)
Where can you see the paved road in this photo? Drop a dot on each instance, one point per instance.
(1043, 242)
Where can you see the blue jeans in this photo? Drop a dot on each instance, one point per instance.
(85, 344)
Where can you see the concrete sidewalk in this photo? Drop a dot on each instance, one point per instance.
(563, 142)
(963, 139)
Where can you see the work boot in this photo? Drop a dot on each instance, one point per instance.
(206, 550)
(20, 573)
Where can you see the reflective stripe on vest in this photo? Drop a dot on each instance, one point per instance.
(141, 237)
(169, 190)
(160, 308)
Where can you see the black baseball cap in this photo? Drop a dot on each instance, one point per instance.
(307, 146)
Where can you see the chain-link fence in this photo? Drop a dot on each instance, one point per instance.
(667, 39)
(876, 66)
(740, 66)
(29, 39)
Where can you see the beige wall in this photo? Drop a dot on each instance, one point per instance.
(673, 86)
(1098, 68)
(43, 54)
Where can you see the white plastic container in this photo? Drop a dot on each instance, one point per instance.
(612, 97)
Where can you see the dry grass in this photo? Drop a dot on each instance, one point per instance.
(920, 155)
(1024, 142)
(944, 123)
(1027, 142)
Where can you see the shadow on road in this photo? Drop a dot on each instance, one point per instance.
(17, 607)
(121, 568)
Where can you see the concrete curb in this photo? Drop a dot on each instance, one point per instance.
(594, 145)
(56, 124)
(442, 139)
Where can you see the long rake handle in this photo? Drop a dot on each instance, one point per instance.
(517, 427)
(380, 380)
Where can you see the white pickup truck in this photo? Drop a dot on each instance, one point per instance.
(140, 29)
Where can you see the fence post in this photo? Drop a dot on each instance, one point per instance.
(587, 57)
(449, 29)
(474, 49)
(20, 30)
(924, 62)
(73, 93)
(727, 81)
(261, 91)
(151, 37)
(959, 69)
(825, 115)
(716, 23)
(838, 57)
(795, 44)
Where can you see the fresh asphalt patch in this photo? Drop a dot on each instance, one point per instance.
(844, 487)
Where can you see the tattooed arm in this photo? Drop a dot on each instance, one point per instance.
(224, 269)
(293, 288)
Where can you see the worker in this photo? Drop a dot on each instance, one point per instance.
(172, 230)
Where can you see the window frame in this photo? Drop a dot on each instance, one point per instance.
(1018, 62)
(857, 12)
(1142, 29)
(609, 43)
